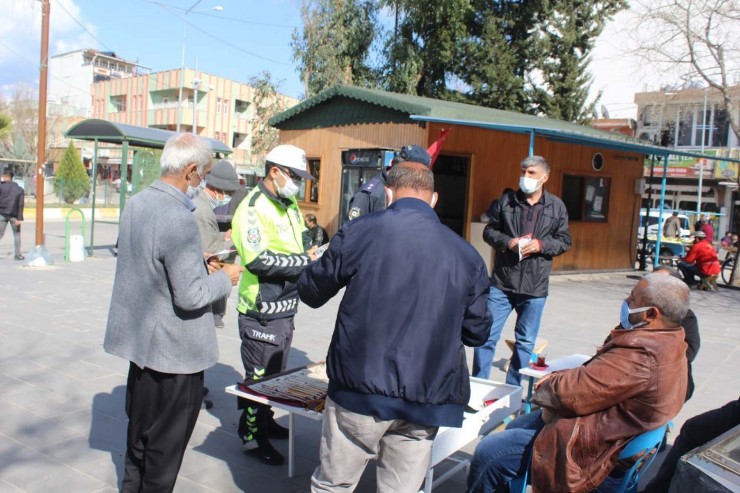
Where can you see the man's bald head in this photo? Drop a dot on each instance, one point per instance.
(410, 179)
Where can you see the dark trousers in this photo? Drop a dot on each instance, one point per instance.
(694, 432)
(4, 220)
(264, 350)
(162, 409)
(689, 272)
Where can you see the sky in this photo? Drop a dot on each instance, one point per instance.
(240, 41)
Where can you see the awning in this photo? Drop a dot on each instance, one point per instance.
(615, 142)
(117, 133)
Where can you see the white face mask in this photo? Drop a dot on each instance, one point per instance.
(193, 191)
(290, 189)
(529, 185)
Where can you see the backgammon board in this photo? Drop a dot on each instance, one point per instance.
(301, 387)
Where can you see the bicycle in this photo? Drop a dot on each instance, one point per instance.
(727, 265)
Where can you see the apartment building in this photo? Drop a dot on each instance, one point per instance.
(72, 73)
(693, 119)
(215, 107)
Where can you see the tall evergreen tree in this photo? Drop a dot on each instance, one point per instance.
(500, 52)
(567, 39)
(71, 181)
(423, 47)
(333, 46)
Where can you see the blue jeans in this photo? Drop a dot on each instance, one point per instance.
(528, 315)
(499, 457)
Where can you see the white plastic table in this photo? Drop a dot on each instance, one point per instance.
(564, 363)
(448, 440)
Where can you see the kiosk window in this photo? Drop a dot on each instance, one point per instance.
(312, 186)
(586, 197)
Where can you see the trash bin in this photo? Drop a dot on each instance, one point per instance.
(76, 248)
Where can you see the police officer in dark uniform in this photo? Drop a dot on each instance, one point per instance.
(371, 196)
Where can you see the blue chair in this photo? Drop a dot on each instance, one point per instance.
(645, 445)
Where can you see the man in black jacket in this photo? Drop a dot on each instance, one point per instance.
(415, 295)
(11, 210)
(527, 229)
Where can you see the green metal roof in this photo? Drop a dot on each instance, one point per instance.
(117, 133)
(339, 107)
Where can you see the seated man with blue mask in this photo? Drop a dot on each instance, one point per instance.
(636, 382)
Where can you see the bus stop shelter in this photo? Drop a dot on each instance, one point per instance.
(126, 136)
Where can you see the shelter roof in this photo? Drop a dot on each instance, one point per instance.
(117, 133)
(341, 101)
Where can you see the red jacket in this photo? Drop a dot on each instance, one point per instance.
(705, 257)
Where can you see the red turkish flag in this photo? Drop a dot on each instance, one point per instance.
(436, 146)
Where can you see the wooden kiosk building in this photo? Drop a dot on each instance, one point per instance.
(349, 133)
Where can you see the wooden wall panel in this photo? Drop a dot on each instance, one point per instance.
(327, 144)
(495, 162)
(495, 159)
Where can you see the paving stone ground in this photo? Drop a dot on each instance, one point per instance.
(62, 428)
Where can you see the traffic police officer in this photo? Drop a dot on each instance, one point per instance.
(270, 235)
(371, 197)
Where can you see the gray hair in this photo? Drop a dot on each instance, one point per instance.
(538, 161)
(183, 149)
(406, 175)
(667, 294)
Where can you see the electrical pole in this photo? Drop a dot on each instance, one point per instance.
(41, 148)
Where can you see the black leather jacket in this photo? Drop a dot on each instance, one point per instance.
(531, 275)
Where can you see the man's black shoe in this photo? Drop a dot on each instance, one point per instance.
(266, 453)
(274, 430)
(20, 257)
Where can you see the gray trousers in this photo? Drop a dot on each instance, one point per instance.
(349, 440)
(4, 220)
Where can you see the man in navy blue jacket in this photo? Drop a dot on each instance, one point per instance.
(415, 295)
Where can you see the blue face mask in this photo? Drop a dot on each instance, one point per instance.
(193, 191)
(626, 311)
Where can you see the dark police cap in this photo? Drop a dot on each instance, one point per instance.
(413, 153)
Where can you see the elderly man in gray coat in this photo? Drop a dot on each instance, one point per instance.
(160, 317)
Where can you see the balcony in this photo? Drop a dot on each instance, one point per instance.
(166, 114)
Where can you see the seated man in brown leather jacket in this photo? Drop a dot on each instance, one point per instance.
(635, 383)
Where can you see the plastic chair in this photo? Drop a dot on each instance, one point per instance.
(645, 445)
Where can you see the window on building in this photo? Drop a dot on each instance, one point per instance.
(685, 128)
(586, 197)
(241, 106)
(720, 129)
(311, 187)
(226, 106)
(647, 115)
(702, 124)
(218, 106)
(118, 103)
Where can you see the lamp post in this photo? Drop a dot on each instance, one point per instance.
(217, 8)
